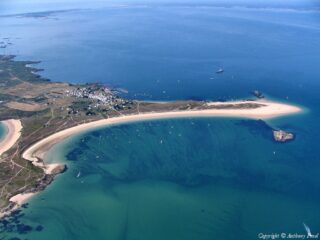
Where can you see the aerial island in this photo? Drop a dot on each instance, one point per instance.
(39, 113)
(282, 136)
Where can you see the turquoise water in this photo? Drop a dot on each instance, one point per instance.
(2, 131)
(177, 179)
(184, 178)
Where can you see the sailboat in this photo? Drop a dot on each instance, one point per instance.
(220, 70)
(307, 230)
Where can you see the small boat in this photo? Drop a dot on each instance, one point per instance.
(220, 70)
(79, 173)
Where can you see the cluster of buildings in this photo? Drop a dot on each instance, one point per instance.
(101, 97)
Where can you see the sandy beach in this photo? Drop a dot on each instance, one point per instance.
(37, 152)
(270, 110)
(13, 133)
(18, 200)
(21, 198)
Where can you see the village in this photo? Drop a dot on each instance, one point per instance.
(96, 97)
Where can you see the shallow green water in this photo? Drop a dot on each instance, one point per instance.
(176, 179)
(2, 131)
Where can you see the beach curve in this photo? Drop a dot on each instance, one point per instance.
(14, 128)
(269, 110)
(36, 152)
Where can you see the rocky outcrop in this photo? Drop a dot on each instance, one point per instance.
(258, 94)
(282, 136)
(61, 168)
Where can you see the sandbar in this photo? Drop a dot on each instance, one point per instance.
(269, 110)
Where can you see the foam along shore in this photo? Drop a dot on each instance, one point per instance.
(13, 133)
(268, 109)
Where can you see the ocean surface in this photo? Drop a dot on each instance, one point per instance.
(194, 178)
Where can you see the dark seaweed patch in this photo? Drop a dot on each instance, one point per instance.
(39, 228)
(13, 224)
(25, 205)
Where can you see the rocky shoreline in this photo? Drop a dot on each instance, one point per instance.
(41, 185)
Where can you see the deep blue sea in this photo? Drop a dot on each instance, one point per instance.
(194, 178)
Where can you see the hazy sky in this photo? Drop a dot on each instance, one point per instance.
(24, 6)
